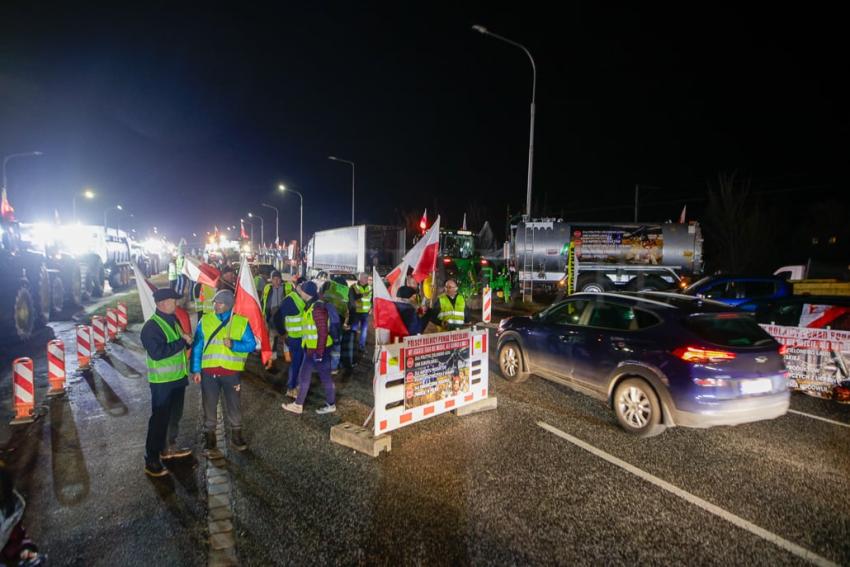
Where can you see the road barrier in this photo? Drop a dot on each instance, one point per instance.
(98, 332)
(122, 316)
(56, 367)
(427, 375)
(112, 323)
(84, 340)
(487, 305)
(23, 395)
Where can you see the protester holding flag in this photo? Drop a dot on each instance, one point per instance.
(223, 341)
(316, 342)
(165, 344)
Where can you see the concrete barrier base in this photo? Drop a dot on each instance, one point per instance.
(360, 439)
(486, 404)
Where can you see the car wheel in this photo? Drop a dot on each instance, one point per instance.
(591, 283)
(57, 297)
(510, 362)
(637, 408)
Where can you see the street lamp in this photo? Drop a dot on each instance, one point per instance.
(276, 222)
(13, 156)
(88, 194)
(485, 31)
(351, 163)
(282, 188)
(262, 229)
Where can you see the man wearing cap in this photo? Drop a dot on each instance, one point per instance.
(288, 321)
(222, 344)
(316, 342)
(360, 300)
(227, 279)
(165, 344)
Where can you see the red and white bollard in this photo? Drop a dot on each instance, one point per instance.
(56, 368)
(84, 347)
(122, 316)
(112, 323)
(487, 305)
(98, 332)
(23, 395)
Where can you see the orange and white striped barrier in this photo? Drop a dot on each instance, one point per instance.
(122, 316)
(426, 375)
(23, 395)
(56, 367)
(98, 333)
(487, 305)
(112, 323)
(84, 347)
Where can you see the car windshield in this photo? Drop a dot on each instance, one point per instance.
(728, 329)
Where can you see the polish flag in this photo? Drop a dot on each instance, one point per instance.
(423, 256)
(242, 234)
(385, 311)
(247, 304)
(146, 289)
(683, 214)
(199, 272)
(398, 276)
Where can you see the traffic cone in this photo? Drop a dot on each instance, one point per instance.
(112, 323)
(23, 396)
(122, 316)
(56, 367)
(84, 340)
(98, 331)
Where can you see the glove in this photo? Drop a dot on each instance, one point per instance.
(317, 358)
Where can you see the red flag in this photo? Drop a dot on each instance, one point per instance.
(385, 310)
(242, 234)
(398, 277)
(200, 272)
(247, 304)
(423, 222)
(423, 256)
(6, 210)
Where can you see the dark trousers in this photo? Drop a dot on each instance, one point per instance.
(305, 376)
(297, 355)
(213, 386)
(360, 325)
(166, 411)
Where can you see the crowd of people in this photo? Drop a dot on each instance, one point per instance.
(316, 327)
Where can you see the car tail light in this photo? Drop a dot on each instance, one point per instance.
(783, 350)
(697, 355)
(484, 261)
(711, 382)
(447, 260)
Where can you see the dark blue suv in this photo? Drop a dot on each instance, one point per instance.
(739, 290)
(657, 359)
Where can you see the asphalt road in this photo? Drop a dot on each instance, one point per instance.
(546, 478)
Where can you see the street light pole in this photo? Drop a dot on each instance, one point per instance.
(262, 229)
(282, 189)
(13, 156)
(276, 223)
(351, 163)
(485, 31)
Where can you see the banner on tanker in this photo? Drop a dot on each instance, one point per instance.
(817, 359)
(436, 368)
(613, 244)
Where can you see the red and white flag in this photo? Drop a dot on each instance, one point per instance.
(242, 234)
(247, 304)
(385, 310)
(200, 272)
(682, 215)
(146, 290)
(423, 256)
(398, 276)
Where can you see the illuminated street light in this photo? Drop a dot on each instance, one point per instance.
(282, 188)
(87, 193)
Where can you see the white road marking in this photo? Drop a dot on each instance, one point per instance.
(695, 500)
(819, 418)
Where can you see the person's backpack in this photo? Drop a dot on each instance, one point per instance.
(334, 323)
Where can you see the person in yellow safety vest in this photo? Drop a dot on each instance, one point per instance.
(360, 305)
(316, 341)
(206, 298)
(165, 344)
(172, 274)
(450, 312)
(288, 321)
(222, 344)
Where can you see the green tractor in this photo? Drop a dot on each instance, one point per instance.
(459, 260)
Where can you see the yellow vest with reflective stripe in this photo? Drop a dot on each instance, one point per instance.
(310, 338)
(363, 304)
(451, 315)
(172, 368)
(294, 323)
(216, 355)
(207, 294)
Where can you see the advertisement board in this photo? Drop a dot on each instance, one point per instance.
(817, 359)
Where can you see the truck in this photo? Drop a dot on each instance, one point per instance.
(549, 253)
(811, 279)
(354, 249)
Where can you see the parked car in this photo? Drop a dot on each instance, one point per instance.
(738, 290)
(657, 359)
(812, 311)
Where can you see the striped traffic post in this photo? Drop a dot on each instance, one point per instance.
(56, 367)
(98, 332)
(112, 323)
(486, 305)
(23, 396)
(84, 347)
(122, 316)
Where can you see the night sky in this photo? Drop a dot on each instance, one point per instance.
(189, 118)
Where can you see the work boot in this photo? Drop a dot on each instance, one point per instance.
(237, 441)
(209, 447)
(156, 470)
(174, 452)
(292, 393)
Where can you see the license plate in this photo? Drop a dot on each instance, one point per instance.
(757, 386)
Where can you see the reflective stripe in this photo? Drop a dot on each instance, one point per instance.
(294, 323)
(222, 357)
(364, 303)
(452, 315)
(167, 369)
(310, 338)
(216, 354)
(172, 368)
